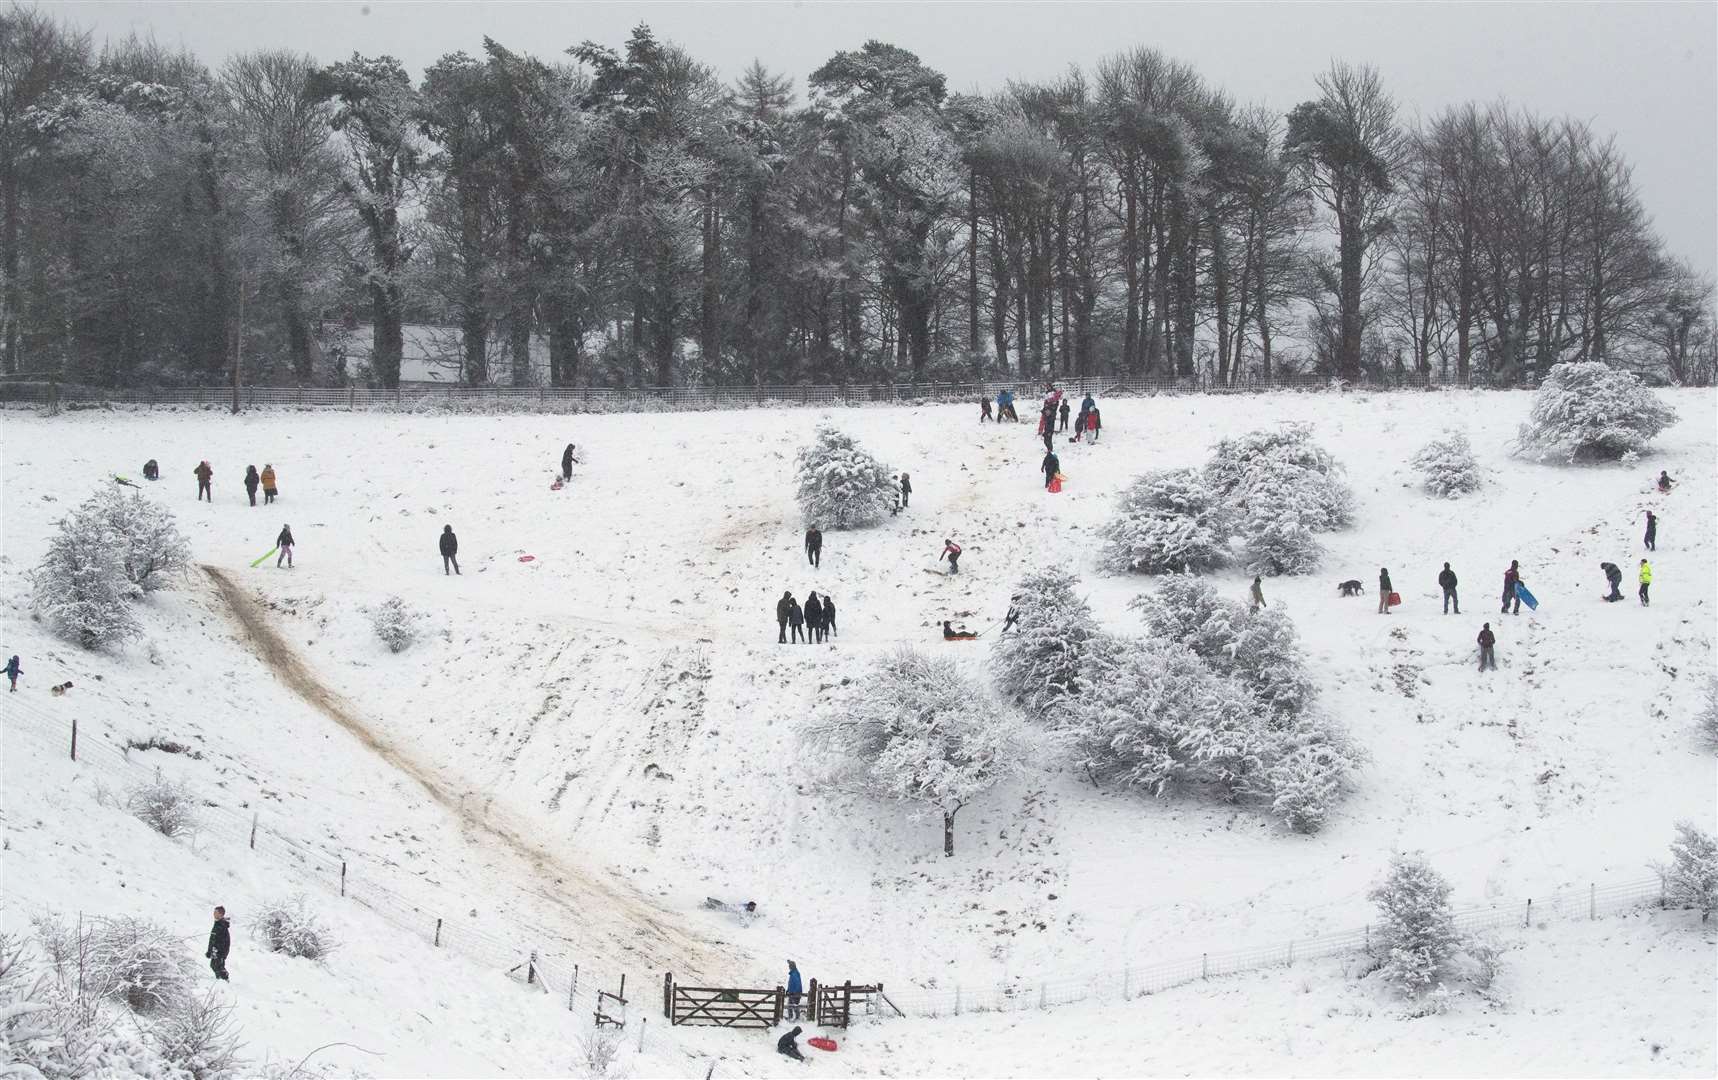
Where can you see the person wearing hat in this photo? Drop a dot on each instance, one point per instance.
(284, 543)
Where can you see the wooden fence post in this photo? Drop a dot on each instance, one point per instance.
(1529, 921)
(531, 969)
(74, 738)
(342, 877)
(847, 1003)
(253, 832)
(811, 1013)
(1204, 965)
(1291, 954)
(438, 933)
(668, 995)
(573, 988)
(780, 1002)
(643, 1020)
(957, 999)
(1592, 900)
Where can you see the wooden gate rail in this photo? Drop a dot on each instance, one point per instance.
(832, 1006)
(721, 1006)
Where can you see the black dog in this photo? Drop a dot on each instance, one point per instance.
(1351, 587)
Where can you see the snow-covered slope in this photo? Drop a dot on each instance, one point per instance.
(584, 746)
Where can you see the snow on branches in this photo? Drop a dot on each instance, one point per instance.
(106, 553)
(1592, 412)
(1448, 467)
(1416, 929)
(1054, 646)
(840, 486)
(1167, 520)
(1691, 877)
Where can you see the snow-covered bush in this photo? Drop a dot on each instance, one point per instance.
(600, 1050)
(1447, 466)
(198, 1038)
(1260, 648)
(288, 926)
(151, 550)
(1417, 930)
(1691, 876)
(840, 486)
(1592, 412)
(1312, 765)
(167, 806)
(1167, 520)
(395, 623)
(1707, 718)
(1046, 658)
(140, 963)
(80, 586)
(916, 730)
(1281, 489)
(36, 1037)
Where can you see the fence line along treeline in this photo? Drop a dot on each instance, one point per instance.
(622, 214)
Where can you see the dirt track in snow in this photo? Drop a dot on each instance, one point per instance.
(634, 926)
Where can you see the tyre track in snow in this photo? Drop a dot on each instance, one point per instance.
(644, 932)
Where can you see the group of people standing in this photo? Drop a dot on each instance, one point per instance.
(811, 624)
(205, 475)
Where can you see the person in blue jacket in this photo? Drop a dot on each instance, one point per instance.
(794, 989)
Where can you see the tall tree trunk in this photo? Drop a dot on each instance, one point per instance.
(972, 261)
(999, 299)
(11, 305)
(710, 299)
(1130, 350)
(1220, 287)
(948, 831)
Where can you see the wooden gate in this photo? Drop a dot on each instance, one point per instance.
(832, 1006)
(719, 1006)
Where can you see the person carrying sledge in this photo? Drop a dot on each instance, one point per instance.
(783, 610)
(1487, 640)
(814, 545)
(1511, 578)
(449, 550)
(1384, 591)
(951, 552)
(251, 482)
(1613, 578)
(788, 1047)
(12, 673)
(984, 409)
(1050, 467)
(1064, 411)
(269, 488)
(906, 490)
(1651, 531)
(1645, 582)
(284, 543)
(1447, 582)
(151, 470)
(204, 475)
(1258, 592)
(567, 463)
(795, 623)
(813, 619)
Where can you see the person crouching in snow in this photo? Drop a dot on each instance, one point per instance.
(1050, 467)
(787, 1046)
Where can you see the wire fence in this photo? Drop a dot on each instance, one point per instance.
(566, 399)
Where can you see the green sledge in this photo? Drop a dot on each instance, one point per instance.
(265, 555)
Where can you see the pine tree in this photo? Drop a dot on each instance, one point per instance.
(1592, 412)
(1167, 520)
(1691, 877)
(840, 486)
(1056, 647)
(1448, 466)
(1417, 930)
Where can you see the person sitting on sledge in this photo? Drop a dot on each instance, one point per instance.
(951, 634)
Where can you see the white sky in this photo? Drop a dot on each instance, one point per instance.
(1647, 72)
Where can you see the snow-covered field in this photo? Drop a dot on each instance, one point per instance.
(582, 747)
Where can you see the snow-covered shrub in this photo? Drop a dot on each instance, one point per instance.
(140, 963)
(80, 586)
(1260, 648)
(1592, 412)
(840, 486)
(198, 1038)
(599, 1050)
(1417, 931)
(1707, 718)
(1447, 466)
(1167, 520)
(1047, 657)
(1281, 488)
(1311, 765)
(151, 550)
(916, 730)
(167, 806)
(36, 1039)
(288, 926)
(395, 623)
(1691, 876)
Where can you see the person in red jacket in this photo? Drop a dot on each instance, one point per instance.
(1094, 423)
(951, 552)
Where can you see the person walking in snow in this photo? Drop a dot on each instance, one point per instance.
(449, 550)
(813, 618)
(783, 610)
(1383, 591)
(284, 543)
(829, 616)
(1664, 480)
(795, 987)
(1050, 467)
(12, 673)
(1065, 411)
(567, 461)
(1047, 428)
(1005, 406)
(251, 482)
(788, 1047)
(1651, 531)
(795, 623)
(906, 490)
(1088, 404)
(1645, 582)
(220, 943)
(1511, 578)
(1013, 616)
(984, 409)
(204, 475)
(1258, 592)
(1613, 578)
(269, 488)
(951, 552)
(1487, 639)
(1080, 426)
(1094, 423)
(1447, 582)
(814, 545)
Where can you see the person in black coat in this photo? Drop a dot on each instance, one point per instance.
(813, 619)
(1050, 467)
(449, 549)
(1651, 531)
(1384, 591)
(1064, 411)
(788, 1045)
(1511, 578)
(1013, 616)
(567, 460)
(1447, 582)
(1613, 578)
(783, 608)
(151, 470)
(814, 545)
(795, 622)
(1487, 640)
(220, 943)
(251, 482)
(829, 615)
(285, 543)
(906, 490)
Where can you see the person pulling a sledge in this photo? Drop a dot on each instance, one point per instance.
(1050, 467)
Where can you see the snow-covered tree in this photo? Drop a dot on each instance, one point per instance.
(140, 963)
(1707, 717)
(167, 806)
(1054, 648)
(1448, 467)
(1312, 764)
(1417, 931)
(1281, 488)
(1167, 520)
(1591, 411)
(395, 623)
(81, 587)
(151, 550)
(35, 1040)
(1260, 648)
(840, 486)
(919, 732)
(1691, 876)
(289, 926)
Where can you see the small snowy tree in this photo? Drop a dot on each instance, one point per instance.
(1050, 653)
(151, 550)
(395, 623)
(36, 1039)
(1592, 412)
(1417, 930)
(288, 926)
(1167, 520)
(198, 1037)
(167, 806)
(1448, 467)
(1260, 648)
(1691, 876)
(1282, 489)
(140, 963)
(1707, 718)
(81, 588)
(1312, 764)
(840, 486)
(919, 732)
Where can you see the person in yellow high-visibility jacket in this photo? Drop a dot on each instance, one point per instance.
(1645, 582)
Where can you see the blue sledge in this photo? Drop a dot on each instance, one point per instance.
(1526, 597)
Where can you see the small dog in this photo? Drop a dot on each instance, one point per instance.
(60, 690)
(1351, 587)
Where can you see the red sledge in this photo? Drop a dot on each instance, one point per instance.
(1393, 599)
(527, 558)
(822, 1043)
(1055, 487)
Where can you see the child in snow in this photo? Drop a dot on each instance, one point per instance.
(1065, 410)
(951, 634)
(984, 409)
(813, 619)
(1013, 616)
(1651, 531)
(1645, 582)
(1664, 480)
(251, 482)
(269, 490)
(1447, 582)
(796, 623)
(567, 461)
(906, 490)
(220, 942)
(1511, 578)
(951, 552)
(1080, 426)
(1487, 639)
(1094, 423)
(12, 673)
(829, 617)
(1050, 467)
(786, 1044)
(284, 543)
(151, 470)
(1258, 593)
(1383, 591)
(449, 550)
(783, 609)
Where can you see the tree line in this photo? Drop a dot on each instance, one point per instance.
(621, 216)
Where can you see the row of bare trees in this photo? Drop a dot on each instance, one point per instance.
(621, 216)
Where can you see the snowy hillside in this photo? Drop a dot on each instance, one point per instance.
(582, 747)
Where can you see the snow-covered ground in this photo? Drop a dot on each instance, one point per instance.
(584, 746)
